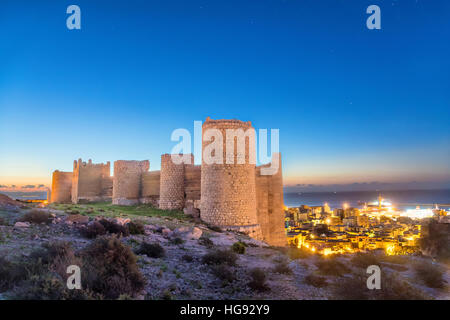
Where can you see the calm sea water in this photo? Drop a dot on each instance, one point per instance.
(401, 199)
(23, 195)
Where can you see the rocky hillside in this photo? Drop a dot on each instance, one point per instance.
(145, 253)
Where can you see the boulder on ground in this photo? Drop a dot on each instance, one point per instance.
(122, 221)
(77, 219)
(166, 232)
(22, 225)
(187, 233)
(191, 211)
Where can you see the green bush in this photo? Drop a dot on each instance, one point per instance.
(238, 247)
(258, 280)
(220, 257)
(151, 250)
(177, 241)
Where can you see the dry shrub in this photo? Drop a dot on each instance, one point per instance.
(223, 272)
(214, 228)
(332, 267)
(110, 269)
(436, 239)
(36, 216)
(298, 253)
(151, 250)
(187, 258)
(430, 274)
(43, 275)
(3, 222)
(316, 281)
(10, 274)
(136, 227)
(114, 228)
(58, 256)
(49, 287)
(258, 280)
(363, 260)
(282, 267)
(392, 288)
(394, 259)
(395, 267)
(205, 241)
(93, 230)
(220, 257)
(102, 227)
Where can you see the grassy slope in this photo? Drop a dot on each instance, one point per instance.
(109, 210)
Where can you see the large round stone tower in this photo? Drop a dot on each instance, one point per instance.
(228, 191)
(171, 192)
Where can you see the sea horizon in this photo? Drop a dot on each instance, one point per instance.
(335, 199)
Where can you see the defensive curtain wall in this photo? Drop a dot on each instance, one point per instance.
(234, 196)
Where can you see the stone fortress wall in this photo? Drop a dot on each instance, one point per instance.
(270, 204)
(91, 182)
(232, 196)
(127, 185)
(150, 188)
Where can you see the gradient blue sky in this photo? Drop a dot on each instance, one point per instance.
(352, 104)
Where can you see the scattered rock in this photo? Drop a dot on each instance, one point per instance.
(166, 232)
(22, 225)
(191, 211)
(188, 233)
(77, 219)
(122, 221)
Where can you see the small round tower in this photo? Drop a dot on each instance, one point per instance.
(172, 193)
(61, 187)
(228, 191)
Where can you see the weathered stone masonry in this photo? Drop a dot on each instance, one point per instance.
(91, 182)
(127, 185)
(228, 191)
(61, 187)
